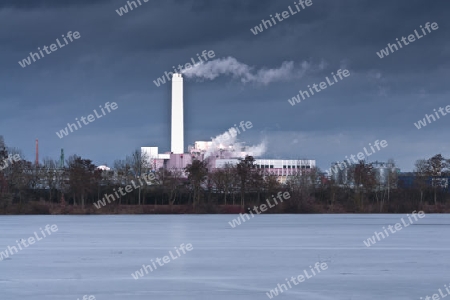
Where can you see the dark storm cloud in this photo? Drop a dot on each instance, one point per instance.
(117, 59)
(39, 4)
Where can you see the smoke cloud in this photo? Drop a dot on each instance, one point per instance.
(231, 67)
(226, 145)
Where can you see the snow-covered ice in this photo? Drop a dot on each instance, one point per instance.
(95, 255)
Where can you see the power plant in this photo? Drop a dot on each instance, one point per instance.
(220, 151)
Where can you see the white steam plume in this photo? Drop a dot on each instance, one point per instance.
(228, 146)
(231, 67)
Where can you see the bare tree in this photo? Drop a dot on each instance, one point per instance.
(3, 152)
(83, 177)
(386, 179)
(438, 166)
(302, 185)
(173, 186)
(123, 174)
(364, 178)
(197, 174)
(422, 172)
(433, 168)
(50, 175)
(244, 170)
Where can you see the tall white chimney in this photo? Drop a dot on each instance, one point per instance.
(177, 139)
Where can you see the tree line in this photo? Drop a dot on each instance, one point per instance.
(77, 184)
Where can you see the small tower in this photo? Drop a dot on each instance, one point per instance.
(37, 153)
(61, 159)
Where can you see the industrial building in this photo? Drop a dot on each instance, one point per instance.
(218, 152)
(385, 173)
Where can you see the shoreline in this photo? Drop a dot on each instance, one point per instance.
(41, 208)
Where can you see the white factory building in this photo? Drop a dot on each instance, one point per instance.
(218, 155)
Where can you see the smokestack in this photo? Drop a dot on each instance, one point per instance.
(177, 142)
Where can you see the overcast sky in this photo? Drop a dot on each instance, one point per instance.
(117, 58)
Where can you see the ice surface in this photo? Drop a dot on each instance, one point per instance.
(95, 255)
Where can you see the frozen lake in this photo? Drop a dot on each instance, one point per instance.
(96, 255)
